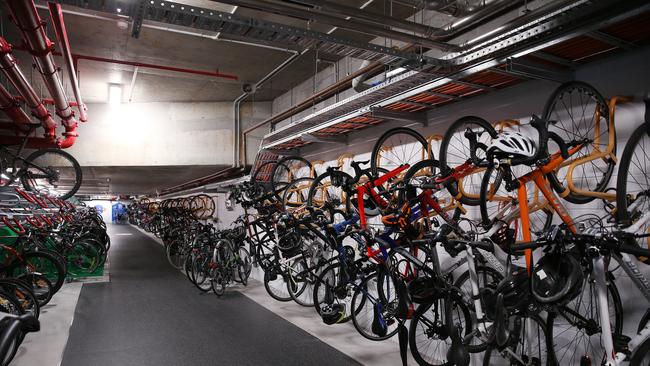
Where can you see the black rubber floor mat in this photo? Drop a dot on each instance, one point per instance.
(149, 314)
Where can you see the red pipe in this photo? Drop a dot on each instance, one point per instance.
(46, 101)
(76, 57)
(32, 142)
(62, 36)
(152, 66)
(28, 94)
(10, 106)
(26, 17)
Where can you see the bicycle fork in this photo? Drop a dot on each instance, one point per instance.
(598, 272)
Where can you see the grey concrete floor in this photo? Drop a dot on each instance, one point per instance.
(56, 317)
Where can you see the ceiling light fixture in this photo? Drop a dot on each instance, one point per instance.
(114, 94)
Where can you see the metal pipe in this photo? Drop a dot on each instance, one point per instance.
(378, 19)
(12, 109)
(352, 24)
(26, 17)
(337, 87)
(15, 76)
(257, 86)
(236, 166)
(153, 66)
(62, 36)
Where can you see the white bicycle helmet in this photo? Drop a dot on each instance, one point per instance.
(512, 145)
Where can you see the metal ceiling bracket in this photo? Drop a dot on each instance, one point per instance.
(554, 59)
(338, 140)
(535, 70)
(385, 113)
(611, 40)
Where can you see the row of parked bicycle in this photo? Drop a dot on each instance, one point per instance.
(212, 259)
(472, 251)
(43, 241)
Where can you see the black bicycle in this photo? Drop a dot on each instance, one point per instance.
(47, 169)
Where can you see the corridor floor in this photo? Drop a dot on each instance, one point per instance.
(149, 314)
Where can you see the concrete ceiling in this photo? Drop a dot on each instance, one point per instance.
(140, 179)
(98, 34)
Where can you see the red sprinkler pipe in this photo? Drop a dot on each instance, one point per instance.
(62, 36)
(152, 66)
(10, 106)
(28, 94)
(26, 17)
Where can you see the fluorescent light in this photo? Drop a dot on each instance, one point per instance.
(114, 94)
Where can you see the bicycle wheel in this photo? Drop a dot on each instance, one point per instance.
(54, 169)
(23, 294)
(421, 173)
(276, 283)
(286, 170)
(244, 266)
(455, 151)
(574, 329)
(327, 189)
(296, 193)
(576, 112)
(176, 253)
(527, 344)
(641, 355)
(633, 184)
(40, 286)
(301, 283)
(43, 263)
(375, 300)
(217, 282)
(396, 147)
(333, 286)
(83, 259)
(429, 338)
(487, 278)
(498, 205)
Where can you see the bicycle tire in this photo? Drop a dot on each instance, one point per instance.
(312, 201)
(444, 154)
(623, 214)
(374, 157)
(492, 349)
(23, 294)
(365, 299)
(641, 354)
(78, 175)
(418, 318)
(48, 265)
(547, 115)
(617, 327)
(278, 186)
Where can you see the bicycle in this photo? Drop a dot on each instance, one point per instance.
(51, 168)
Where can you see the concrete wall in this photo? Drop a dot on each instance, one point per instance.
(157, 134)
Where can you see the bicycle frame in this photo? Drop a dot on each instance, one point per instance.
(599, 267)
(369, 188)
